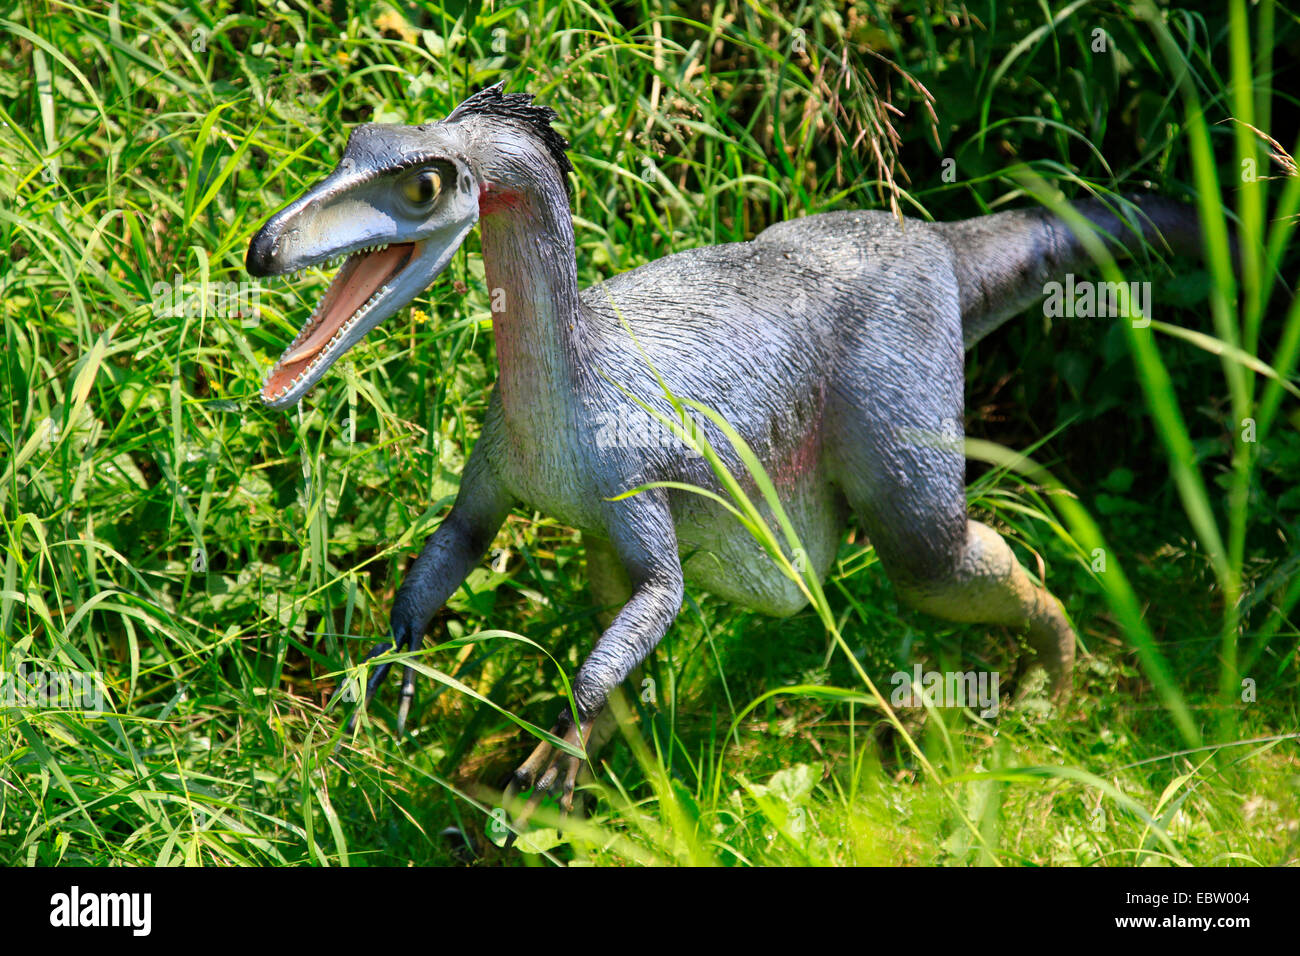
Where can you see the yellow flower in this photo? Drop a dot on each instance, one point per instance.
(390, 21)
(419, 316)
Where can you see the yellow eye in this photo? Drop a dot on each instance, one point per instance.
(422, 187)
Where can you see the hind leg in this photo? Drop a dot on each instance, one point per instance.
(987, 585)
(948, 565)
(945, 564)
(896, 451)
(962, 570)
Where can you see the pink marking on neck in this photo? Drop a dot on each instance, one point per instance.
(493, 198)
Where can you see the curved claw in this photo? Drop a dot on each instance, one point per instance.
(410, 642)
(408, 695)
(376, 679)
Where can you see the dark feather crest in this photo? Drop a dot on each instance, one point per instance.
(490, 101)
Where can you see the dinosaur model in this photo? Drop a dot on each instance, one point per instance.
(834, 344)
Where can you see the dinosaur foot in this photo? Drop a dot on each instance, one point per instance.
(549, 771)
(1052, 640)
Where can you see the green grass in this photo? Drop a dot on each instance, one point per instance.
(223, 567)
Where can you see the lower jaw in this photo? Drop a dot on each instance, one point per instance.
(283, 381)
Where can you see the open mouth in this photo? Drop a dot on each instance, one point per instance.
(356, 289)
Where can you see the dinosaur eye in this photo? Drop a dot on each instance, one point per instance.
(422, 187)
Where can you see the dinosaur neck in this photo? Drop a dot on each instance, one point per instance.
(528, 261)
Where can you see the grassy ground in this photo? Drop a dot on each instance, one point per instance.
(221, 566)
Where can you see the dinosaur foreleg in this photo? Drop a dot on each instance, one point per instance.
(450, 552)
(644, 544)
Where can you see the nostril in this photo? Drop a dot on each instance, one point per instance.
(261, 254)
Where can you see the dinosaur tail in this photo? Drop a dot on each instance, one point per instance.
(1003, 261)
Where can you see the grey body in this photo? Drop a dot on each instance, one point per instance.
(797, 340)
(834, 344)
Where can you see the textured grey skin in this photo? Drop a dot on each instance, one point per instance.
(834, 344)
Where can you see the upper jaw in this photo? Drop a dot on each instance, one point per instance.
(307, 232)
(328, 259)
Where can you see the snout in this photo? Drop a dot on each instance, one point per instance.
(302, 232)
(260, 261)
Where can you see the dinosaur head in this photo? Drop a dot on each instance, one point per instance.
(399, 204)
(396, 208)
